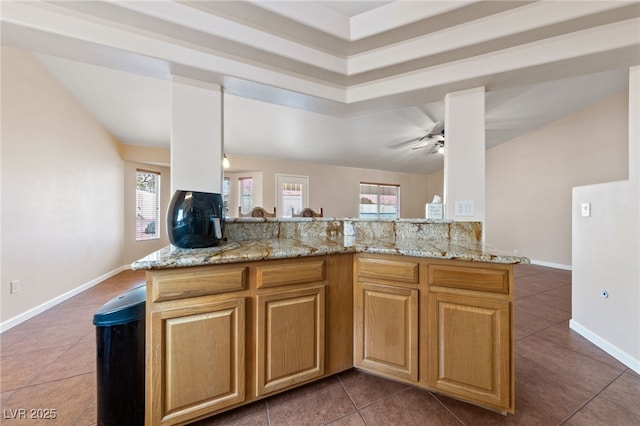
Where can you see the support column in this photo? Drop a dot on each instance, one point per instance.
(196, 136)
(464, 158)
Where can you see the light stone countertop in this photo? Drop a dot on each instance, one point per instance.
(280, 248)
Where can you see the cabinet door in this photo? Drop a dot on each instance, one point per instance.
(290, 334)
(386, 330)
(200, 364)
(469, 349)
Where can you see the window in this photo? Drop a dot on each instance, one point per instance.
(147, 205)
(246, 194)
(226, 190)
(380, 201)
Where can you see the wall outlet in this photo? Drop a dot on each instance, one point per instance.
(586, 209)
(464, 208)
(15, 286)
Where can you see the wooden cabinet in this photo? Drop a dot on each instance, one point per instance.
(290, 323)
(470, 333)
(443, 325)
(290, 344)
(197, 359)
(222, 336)
(386, 316)
(469, 355)
(386, 330)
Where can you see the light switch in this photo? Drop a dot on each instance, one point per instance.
(464, 208)
(586, 209)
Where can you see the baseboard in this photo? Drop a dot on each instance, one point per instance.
(612, 350)
(12, 322)
(551, 265)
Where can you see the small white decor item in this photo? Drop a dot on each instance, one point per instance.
(434, 209)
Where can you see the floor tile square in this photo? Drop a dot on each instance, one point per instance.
(411, 407)
(313, 404)
(254, 414)
(566, 364)
(365, 389)
(562, 335)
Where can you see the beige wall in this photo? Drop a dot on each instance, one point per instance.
(134, 250)
(530, 179)
(435, 184)
(335, 189)
(606, 254)
(62, 189)
(146, 154)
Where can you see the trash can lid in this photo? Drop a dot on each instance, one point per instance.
(128, 307)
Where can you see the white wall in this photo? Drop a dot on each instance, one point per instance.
(196, 136)
(335, 189)
(530, 178)
(606, 254)
(464, 155)
(62, 190)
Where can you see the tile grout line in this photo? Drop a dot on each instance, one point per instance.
(592, 398)
(266, 407)
(358, 409)
(435, 396)
(355, 406)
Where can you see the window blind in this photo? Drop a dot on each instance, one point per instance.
(147, 205)
(246, 194)
(379, 200)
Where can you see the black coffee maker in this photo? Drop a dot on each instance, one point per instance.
(195, 219)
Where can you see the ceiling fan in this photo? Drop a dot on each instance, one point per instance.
(433, 140)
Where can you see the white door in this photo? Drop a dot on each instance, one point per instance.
(292, 194)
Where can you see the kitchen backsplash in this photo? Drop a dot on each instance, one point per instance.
(243, 229)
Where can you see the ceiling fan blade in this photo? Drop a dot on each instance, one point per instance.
(402, 144)
(438, 128)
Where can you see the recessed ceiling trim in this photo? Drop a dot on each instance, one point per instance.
(505, 24)
(24, 14)
(56, 20)
(211, 24)
(397, 14)
(582, 43)
(312, 15)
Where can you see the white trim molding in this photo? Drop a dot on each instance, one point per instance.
(18, 319)
(620, 355)
(551, 265)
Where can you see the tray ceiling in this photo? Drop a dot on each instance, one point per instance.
(360, 77)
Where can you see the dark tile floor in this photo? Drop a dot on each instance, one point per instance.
(48, 362)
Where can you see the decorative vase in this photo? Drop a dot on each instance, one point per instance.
(195, 219)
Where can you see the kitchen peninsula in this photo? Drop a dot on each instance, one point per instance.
(287, 301)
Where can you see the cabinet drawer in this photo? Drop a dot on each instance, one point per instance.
(387, 269)
(469, 278)
(287, 273)
(198, 282)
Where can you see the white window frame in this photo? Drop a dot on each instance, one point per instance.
(240, 204)
(378, 204)
(148, 216)
(281, 180)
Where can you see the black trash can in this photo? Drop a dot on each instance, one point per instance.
(120, 359)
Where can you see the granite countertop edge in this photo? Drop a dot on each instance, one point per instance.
(279, 248)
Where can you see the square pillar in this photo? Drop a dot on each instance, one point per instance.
(464, 157)
(196, 136)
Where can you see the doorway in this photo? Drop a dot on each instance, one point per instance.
(292, 194)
